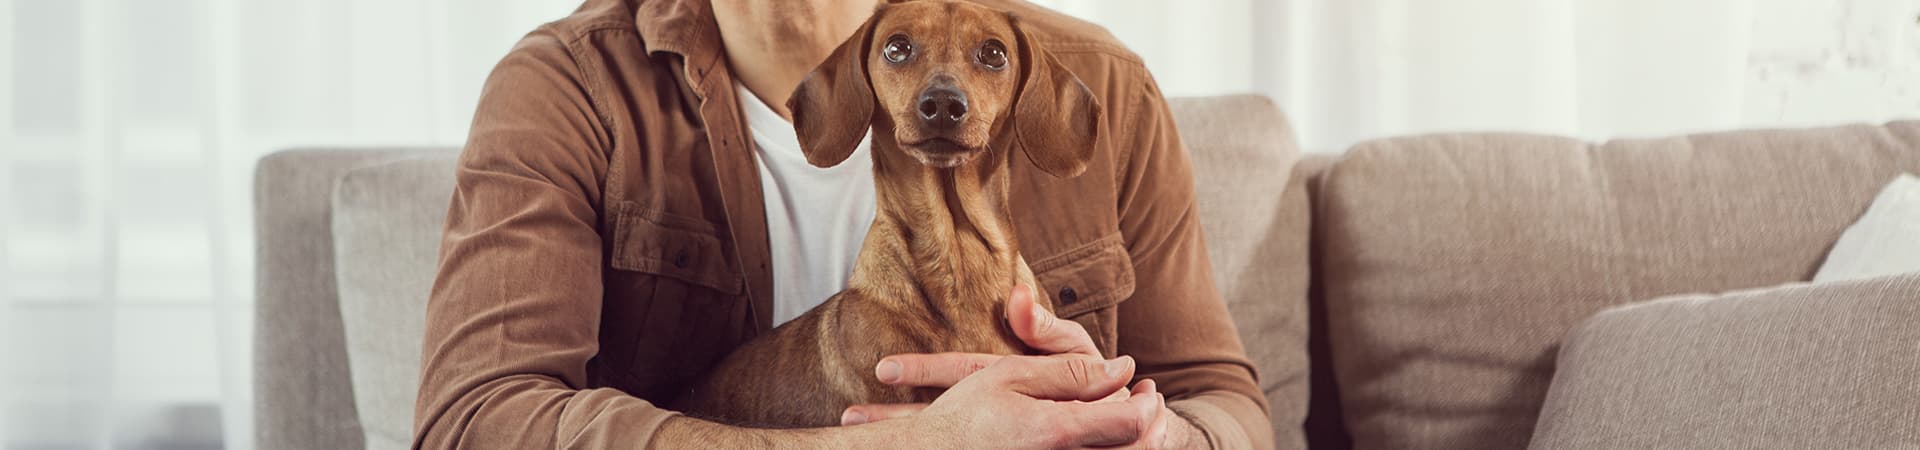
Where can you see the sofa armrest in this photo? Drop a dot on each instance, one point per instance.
(1833, 365)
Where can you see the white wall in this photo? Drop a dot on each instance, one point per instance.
(130, 129)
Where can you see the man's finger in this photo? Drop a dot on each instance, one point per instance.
(1079, 379)
(875, 412)
(1156, 435)
(940, 370)
(1142, 387)
(1112, 424)
(1042, 330)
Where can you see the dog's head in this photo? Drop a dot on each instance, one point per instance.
(952, 82)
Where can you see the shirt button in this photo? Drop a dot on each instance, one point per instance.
(681, 259)
(1068, 296)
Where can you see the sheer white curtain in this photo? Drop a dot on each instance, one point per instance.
(130, 132)
(131, 128)
(1349, 70)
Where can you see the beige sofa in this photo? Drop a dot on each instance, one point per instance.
(1440, 291)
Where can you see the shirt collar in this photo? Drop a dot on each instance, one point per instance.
(685, 28)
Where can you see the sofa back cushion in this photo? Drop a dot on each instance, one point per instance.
(1252, 215)
(1453, 264)
(302, 391)
(386, 225)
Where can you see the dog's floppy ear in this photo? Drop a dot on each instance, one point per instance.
(1057, 121)
(834, 105)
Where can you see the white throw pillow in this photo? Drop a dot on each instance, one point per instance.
(1885, 241)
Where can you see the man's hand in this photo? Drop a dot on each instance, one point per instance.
(1066, 342)
(1040, 402)
(1019, 401)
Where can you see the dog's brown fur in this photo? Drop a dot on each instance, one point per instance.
(941, 255)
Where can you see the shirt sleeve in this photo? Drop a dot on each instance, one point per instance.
(1175, 325)
(514, 314)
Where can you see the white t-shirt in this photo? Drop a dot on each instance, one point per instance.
(816, 218)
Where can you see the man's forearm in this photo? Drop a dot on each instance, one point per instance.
(687, 432)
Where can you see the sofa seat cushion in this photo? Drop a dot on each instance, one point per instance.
(1453, 264)
(1827, 365)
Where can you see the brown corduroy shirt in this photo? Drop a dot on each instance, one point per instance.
(607, 241)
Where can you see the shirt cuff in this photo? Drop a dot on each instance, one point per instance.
(1226, 420)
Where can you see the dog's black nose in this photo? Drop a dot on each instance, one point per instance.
(942, 107)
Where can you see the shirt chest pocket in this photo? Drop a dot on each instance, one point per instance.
(682, 248)
(674, 303)
(1087, 284)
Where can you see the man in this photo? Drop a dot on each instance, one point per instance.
(625, 216)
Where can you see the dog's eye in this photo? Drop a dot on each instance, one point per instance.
(993, 54)
(898, 49)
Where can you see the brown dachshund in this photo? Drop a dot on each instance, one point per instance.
(951, 91)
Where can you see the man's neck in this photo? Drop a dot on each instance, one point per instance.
(772, 44)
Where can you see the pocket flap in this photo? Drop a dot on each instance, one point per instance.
(679, 247)
(1087, 278)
